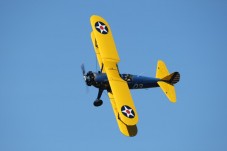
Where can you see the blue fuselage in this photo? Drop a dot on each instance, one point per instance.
(134, 81)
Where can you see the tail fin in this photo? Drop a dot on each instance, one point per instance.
(167, 80)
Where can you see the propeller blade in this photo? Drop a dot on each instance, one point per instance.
(83, 69)
(84, 74)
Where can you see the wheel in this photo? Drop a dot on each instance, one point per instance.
(98, 103)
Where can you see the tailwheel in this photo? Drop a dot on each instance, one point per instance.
(98, 103)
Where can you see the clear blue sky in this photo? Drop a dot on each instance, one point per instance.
(43, 101)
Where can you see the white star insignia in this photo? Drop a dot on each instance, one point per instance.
(128, 112)
(101, 27)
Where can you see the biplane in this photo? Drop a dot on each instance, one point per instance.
(118, 85)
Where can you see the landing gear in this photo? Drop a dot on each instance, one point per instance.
(98, 101)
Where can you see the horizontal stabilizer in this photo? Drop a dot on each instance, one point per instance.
(169, 91)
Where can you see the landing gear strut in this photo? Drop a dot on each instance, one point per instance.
(98, 101)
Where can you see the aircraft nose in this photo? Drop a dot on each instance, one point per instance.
(88, 78)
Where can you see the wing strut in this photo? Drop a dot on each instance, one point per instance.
(102, 67)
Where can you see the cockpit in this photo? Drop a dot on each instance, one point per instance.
(126, 77)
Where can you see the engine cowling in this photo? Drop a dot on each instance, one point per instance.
(89, 78)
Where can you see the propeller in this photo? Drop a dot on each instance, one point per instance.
(88, 78)
(84, 73)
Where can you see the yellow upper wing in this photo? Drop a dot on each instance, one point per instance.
(104, 39)
(107, 55)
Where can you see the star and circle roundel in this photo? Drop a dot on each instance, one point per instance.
(127, 111)
(101, 27)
